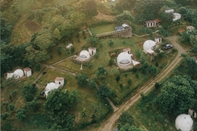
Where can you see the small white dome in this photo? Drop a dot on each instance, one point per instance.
(84, 54)
(184, 122)
(124, 58)
(176, 16)
(18, 73)
(149, 44)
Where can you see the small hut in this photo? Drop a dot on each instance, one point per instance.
(158, 40)
(92, 51)
(59, 80)
(27, 71)
(128, 50)
(184, 122)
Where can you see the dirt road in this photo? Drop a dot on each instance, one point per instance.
(110, 122)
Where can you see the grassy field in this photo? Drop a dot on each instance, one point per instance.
(102, 28)
(121, 88)
(150, 117)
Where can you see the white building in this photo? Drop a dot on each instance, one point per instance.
(158, 40)
(18, 73)
(51, 86)
(59, 80)
(69, 45)
(169, 11)
(176, 16)
(184, 122)
(27, 71)
(148, 46)
(92, 50)
(84, 55)
(125, 61)
(152, 23)
(190, 29)
(124, 58)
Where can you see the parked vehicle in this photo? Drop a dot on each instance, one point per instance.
(167, 46)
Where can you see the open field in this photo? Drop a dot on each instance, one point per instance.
(102, 28)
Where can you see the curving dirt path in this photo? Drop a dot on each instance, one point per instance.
(110, 122)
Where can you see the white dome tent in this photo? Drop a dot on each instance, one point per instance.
(184, 122)
(176, 16)
(124, 58)
(50, 86)
(84, 54)
(148, 46)
(18, 73)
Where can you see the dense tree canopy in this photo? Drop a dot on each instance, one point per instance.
(104, 91)
(57, 104)
(5, 30)
(177, 95)
(82, 80)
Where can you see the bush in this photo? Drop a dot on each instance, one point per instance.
(29, 92)
(21, 114)
(33, 105)
(129, 81)
(117, 78)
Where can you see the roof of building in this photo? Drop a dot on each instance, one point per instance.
(18, 73)
(84, 54)
(184, 122)
(125, 25)
(126, 49)
(176, 16)
(190, 27)
(69, 45)
(124, 58)
(169, 11)
(59, 79)
(27, 69)
(155, 20)
(119, 28)
(149, 44)
(92, 48)
(50, 86)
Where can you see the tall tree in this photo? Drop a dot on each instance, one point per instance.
(176, 96)
(89, 7)
(104, 91)
(57, 104)
(21, 114)
(82, 80)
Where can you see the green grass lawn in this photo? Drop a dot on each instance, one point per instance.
(102, 28)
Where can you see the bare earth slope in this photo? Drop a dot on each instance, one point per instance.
(110, 122)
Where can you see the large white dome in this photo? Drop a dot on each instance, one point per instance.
(50, 86)
(184, 122)
(149, 44)
(84, 54)
(18, 73)
(124, 58)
